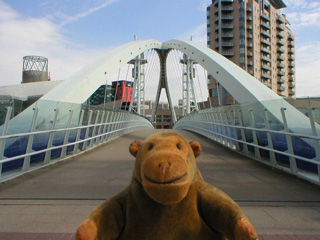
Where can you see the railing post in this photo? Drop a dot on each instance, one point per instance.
(230, 144)
(235, 130)
(243, 135)
(66, 136)
(272, 155)
(4, 132)
(110, 126)
(105, 128)
(254, 135)
(85, 143)
(218, 127)
(76, 145)
(214, 126)
(316, 142)
(26, 162)
(94, 130)
(47, 157)
(97, 140)
(293, 163)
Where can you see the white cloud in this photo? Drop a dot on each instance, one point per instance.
(37, 36)
(199, 34)
(70, 19)
(307, 67)
(301, 13)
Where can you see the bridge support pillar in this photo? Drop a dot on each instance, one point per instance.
(163, 83)
(137, 98)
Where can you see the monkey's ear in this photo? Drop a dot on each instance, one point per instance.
(134, 147)
(196, 147)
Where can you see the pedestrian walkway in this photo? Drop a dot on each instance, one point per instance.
(51, 202)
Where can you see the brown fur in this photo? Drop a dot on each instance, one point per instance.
(167, 200)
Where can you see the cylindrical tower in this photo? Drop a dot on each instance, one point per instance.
(35, 69)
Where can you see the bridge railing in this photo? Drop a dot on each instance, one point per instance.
(254, 132)
(49, 138)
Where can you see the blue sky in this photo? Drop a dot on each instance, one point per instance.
(72, 33)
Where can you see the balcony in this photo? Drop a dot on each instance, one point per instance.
(250, 63)
(280, 50)
(227, 17)
(227, 35)
(227, 44)
(227, 1)
(291, 92)
(250, 36)
(280, 65)
(265, 75)
(280, 88)
(226, 8)
(290, 44)
(251, 72)
(279, 19)
(281, 80)
(265, 50)
(217, 37)
(266, 59)
(281, 73)
(266, 67)
(249, 9)
(291, 85)
(291, 72)
(217, 29)
(291, 51)
(266, 34)
(227, 26)
(290, 37)
(228, 53)
(265, 17)
(250, 54)
(280, 43)
(280, 35)
(291, 79)
(266, 42)
(279, 57)
(291, 58)
(279, 27)
(267, 83)
(250, 45)
(249, 18)
(249, 27)
(291, 65)
(267, 26)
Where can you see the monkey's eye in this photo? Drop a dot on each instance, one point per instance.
(178, 146)
(150, 146)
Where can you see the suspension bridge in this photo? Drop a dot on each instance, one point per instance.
(59, 158)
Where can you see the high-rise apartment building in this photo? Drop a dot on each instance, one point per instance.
(256, 36)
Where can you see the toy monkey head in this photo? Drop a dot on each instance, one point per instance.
(166, 166)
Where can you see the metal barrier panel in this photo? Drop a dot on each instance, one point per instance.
(51, 135)
(254, 132)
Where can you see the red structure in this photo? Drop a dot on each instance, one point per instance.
(123, 90)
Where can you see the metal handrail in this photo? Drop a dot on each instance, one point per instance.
(98, 130)
(216, 125)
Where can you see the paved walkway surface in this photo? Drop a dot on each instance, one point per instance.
(51, 202)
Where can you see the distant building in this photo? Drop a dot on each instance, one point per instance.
(21, 96)
(104, 94)
(163, 119)
(257, 37)
(123, 90)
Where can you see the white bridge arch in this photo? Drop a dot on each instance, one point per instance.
(240, 84)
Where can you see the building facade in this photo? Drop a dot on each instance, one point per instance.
(255, 35)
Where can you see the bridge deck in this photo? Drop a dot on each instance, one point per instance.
(50, 203)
